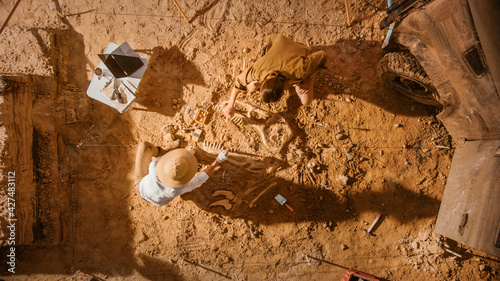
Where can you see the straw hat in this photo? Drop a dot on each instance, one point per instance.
(176, 168)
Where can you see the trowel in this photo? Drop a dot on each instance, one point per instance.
(282, 201)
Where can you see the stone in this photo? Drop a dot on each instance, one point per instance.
(483, 267)
(340, 136)
(435, 249)
(343, 179)
(168, 137)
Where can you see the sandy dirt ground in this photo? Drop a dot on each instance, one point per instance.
(358, 150)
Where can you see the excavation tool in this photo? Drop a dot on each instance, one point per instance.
(117, 95)
(282, 201)
(369, 231)
(201, 116)
(398, 10)
(349, 156)
(197, 133)
(249, 228)
(352, 275)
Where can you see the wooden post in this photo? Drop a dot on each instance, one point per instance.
(347, 12)
(10, 15)
(184, 15)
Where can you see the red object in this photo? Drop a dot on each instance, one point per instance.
(354, 275)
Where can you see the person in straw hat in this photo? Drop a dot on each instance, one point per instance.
(170, 173)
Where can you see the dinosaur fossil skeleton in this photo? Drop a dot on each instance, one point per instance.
(273, 129)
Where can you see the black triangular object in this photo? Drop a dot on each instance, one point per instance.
(121, 65)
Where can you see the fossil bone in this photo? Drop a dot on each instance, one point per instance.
(253, 165)
(226, 193)
(224, 203)
(212, 148)
(262, 193)
(274, 130)
(238, 121)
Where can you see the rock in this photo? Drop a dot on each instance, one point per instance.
(397, 125)
(348, 91)
(343, 247)
(343, 179)
(415, 245)
(340, 136)
(348, 100)
(143, 236)
(484, 267)
(435, 249)
(271, 211)
(168, 137)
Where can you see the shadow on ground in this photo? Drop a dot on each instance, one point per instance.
(310, 203)
(168, 70)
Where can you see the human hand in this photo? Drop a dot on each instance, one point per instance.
(253, 86)
(228, 111)
(192, 149)
(222, 156)
(299, 90)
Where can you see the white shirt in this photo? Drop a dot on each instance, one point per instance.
(153, 191)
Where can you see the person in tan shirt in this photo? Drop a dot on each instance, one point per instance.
(285, 64)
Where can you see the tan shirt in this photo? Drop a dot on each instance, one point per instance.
(294, 60)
